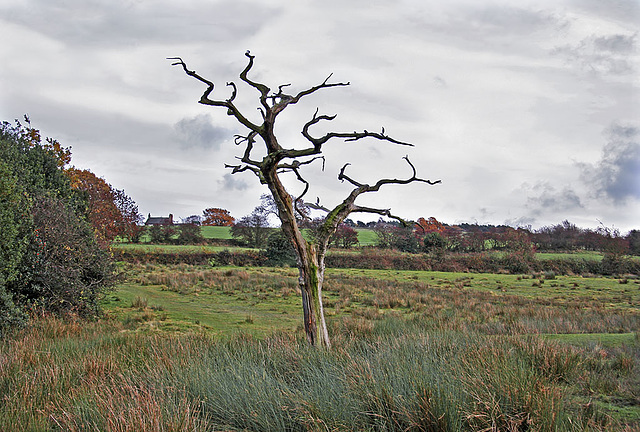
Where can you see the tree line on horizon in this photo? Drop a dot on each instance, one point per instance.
(425, 234)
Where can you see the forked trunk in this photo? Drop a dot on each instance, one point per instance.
(310, 264)
(311, 277)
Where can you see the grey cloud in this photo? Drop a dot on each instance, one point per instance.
(523, 221)
(198, 132)
(622, 10)
(604, 55)
(475, 26)
(98, 23)
(617, 174)
(513, 20)
(440, 82)
(231, 182)
(548, 199)
(615, 43)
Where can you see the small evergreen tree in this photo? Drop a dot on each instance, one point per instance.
(279, 250)
(161, 233)
(189, 234)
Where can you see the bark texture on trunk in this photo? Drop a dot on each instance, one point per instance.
(310, 264)
(312, 273)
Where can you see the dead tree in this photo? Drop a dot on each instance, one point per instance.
(280, 160)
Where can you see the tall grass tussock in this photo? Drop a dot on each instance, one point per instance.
(393, 375)
(411, 352)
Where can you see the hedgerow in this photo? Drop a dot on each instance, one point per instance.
(390, 260)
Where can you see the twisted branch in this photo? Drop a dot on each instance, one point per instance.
(263, 89)
(366, 188)
(294, 167)
(192, 73)
(205, 100)
(347, 136)
(341, 211)
(250, 140)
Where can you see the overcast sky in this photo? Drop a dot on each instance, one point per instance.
(528, 111)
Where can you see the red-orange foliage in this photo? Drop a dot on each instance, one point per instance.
(111, 212)
(345, 236)
(217, 217)
(429, 225)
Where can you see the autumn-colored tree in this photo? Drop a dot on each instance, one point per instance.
(110, 211)
(426, 226)
(345, 236)
(217, 217)
(518, 240)
(129, 224)
(102, 211)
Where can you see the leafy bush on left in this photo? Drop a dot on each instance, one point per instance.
(49, 257)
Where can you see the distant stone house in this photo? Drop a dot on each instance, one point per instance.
(159, 220)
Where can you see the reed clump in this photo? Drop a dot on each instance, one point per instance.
(395, 375)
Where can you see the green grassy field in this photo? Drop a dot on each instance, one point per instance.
(216, 232)
(146, 247)
(208, 232)
(183, 348)
(226, 299)
(366, 237)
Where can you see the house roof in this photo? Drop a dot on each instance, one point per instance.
(159, 220)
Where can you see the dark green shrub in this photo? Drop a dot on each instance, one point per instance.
(406, 241)
(12, 244)
(49, 257)
(189, 234)
(434, 242)
(63, 268)
(11, 316)
(614, 264)
(161, 233)
(279, 250)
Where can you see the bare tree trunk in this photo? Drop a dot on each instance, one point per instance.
(323, 323)
(308, 282)
(310, 264)
(312, 273)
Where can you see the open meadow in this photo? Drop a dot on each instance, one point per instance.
(184, 347)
